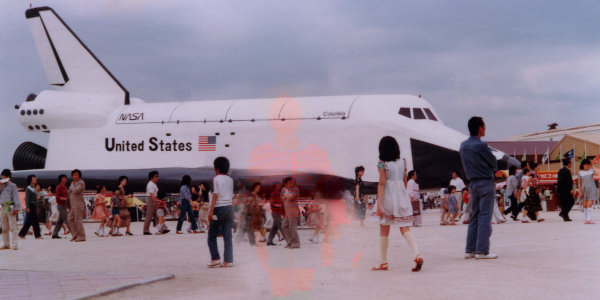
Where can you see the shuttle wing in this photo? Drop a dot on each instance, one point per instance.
(70, 66)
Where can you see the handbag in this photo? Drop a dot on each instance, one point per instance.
(416, 208)
(124, 213)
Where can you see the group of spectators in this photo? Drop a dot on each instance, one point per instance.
(63, 198)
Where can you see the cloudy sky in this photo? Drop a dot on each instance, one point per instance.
(520, 66)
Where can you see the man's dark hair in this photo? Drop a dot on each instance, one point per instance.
(512, 170)
(76, 171)
(29, 179)
(566, 162)
(152, 174)
(222, 164)
(411, 173)
(388, 149)
(358, 169)
(186, 180)
(6, 172)
(286, 180)
(457, 173)
(123, 177)
(524, 165)
(60, 177)
(474, 124)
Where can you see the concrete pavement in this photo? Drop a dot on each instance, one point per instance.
(548, 260)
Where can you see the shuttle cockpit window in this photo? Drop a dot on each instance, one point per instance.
(430, 115)
(405, 111)
(418, 113)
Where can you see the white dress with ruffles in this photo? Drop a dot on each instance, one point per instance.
(396, 206)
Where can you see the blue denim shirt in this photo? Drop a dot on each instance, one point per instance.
(477, 158)
(184, 193)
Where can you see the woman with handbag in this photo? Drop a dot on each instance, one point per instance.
(412, 187)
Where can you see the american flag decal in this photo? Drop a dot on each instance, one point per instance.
(207, 143)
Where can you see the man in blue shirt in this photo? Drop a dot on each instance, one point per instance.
(479, 163)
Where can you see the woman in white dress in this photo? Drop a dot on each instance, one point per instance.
(394, 207)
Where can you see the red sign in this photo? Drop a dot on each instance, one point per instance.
(548, 175)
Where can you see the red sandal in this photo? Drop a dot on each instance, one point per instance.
(419, 263)
(380, 267)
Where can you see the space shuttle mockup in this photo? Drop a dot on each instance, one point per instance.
(96, 127)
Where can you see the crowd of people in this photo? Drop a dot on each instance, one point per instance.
(222, 213)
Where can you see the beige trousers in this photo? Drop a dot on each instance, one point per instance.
(9, 224)
(75, 220)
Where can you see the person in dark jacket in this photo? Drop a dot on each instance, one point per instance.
(31, 200)
(565, 190)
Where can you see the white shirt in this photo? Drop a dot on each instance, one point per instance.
(151, 188)
(223, 187)
(458, 183)
(413, 189)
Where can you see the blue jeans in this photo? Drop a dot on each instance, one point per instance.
(480, 227)
(186, 207)
(223, 223)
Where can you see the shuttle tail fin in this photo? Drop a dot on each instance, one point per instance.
(70, 66)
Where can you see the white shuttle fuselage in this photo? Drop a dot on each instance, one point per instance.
(96, 127)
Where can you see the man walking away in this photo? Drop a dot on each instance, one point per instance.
(565, 190)
(75, 218)
(11, 204)
(31, 200)
(220, 215)
(479, 163)
(151, 191)
(61, 200)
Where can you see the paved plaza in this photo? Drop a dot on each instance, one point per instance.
(548, 260)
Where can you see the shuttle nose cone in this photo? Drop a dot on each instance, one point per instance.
(506, 162)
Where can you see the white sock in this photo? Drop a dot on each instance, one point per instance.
(103, 230)
(412, 242)
(383, 244)
(585, 213)
(589, 210)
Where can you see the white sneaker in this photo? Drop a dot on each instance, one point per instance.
(486, 256)
(214, 263)
(469, 255)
